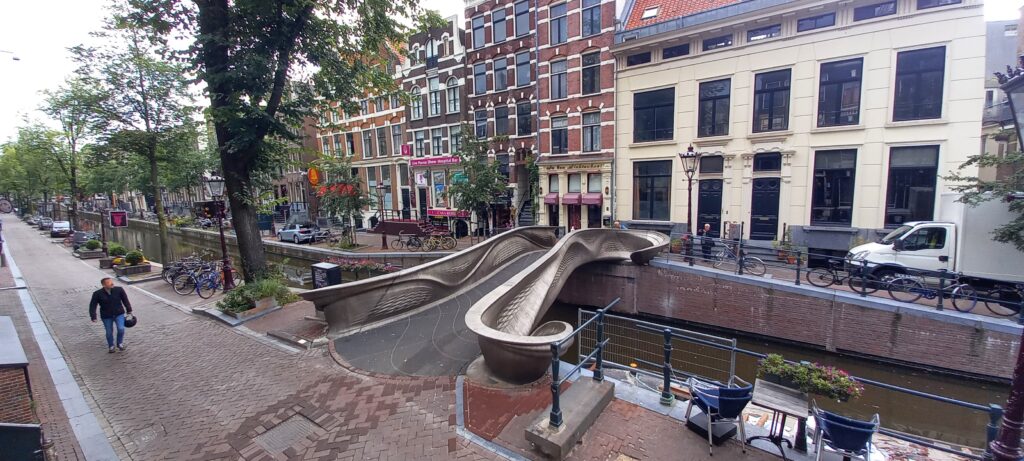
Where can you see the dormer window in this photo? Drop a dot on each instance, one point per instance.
(650, 13)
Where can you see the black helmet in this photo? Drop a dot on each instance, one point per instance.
(130, 320)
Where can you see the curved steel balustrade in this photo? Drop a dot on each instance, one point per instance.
(363, 302)
(505, 320)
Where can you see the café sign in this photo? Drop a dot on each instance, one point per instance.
(435, 161)
(575, 166)
(448, 213)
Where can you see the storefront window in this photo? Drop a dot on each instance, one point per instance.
(575, 184)
(440, 192)
(594, 182)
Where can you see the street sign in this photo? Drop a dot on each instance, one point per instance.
(314, 176)
(118, 219)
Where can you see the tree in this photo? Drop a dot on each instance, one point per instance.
(35, 155)
(145, 108)
(480, 182)
(1007, 184)
(265, 63)
(341, 193)
(72, 105)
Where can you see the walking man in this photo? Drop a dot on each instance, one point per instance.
(707, 242)
(113, 302)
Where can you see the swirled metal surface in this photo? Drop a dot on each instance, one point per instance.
(364, 302)
(515, 347)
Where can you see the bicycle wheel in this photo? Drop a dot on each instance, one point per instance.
(450, 243)
(397, 244)
(823, 278)
(905, 289)
(184, 284)
(414, 244)
(964, 297)
(1003, 302)
(430, 244)
(719, 259)
(208, 286)
(168, 274)
(754, 266)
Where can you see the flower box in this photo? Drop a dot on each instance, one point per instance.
(124, 271)
(88, 254)
(106, 263)
(260, 307)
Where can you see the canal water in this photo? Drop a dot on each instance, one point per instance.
(897, 411)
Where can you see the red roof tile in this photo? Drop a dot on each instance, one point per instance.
(670, 9)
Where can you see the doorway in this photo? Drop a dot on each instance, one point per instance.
(553, 215)
(423, 203)
(574, 215)
(764, 209)
(709, 205)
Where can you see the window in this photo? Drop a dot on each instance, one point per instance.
(523, 68)
(559, 29)
(924, 4)
(403, 174)
(481, 124)
(769, 161)
(419, 142)
(453, 94)
(559, 80)
(714, 108)
(326, 145)
(479, 78)
(925, 238)
(816, 22)
(594, 182)
(502, 160)
(874, 11)
(575, 182)
(649, 13)
(416, 103)
(832, 190)
(910, 193)
(559, 135)
(591, 132)
(435, 96)
(553, 183)
(378, 104)
(839, 93)
(436, 137)
(367, 143)
(771, 101)
(382, 142)
(371, 180)
(675, 51)
(478, 32)
(919, 84)
(717, 42)
(591, 17)
(523, 118)
(652, 115)
(712, 164)
(500, 74)
(335, 116)
(350, 144)
(762, 33)
(395, 101)
(499, 30)
(591, 72)
(989, 97)
(337, 145)
(455, 138)
(522, 10)
(364, 107)
(652, 185)
(637, 59)
(501, 121)
(396, 140)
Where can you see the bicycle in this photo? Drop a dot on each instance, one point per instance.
(836, 274)
(412, 242)
(1005, 301)
(910, 288)
(751, 265)
(186, 283)
(207, 283)
(442, 241)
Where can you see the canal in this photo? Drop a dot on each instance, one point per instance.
(897, 411)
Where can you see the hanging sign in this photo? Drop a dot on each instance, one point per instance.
(118, 219)
(314, 176)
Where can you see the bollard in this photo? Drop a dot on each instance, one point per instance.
(798, 259)
(599, 366)
(666, 391)
(942, 288)
(555, 419)
(995, 416)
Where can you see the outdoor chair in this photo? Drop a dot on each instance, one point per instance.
(723, 404)
(846, 436)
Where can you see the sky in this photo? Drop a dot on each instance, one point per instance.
(39, 32)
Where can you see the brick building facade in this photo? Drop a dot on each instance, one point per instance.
(291, 182)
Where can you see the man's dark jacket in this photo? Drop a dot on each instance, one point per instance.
(110, 303)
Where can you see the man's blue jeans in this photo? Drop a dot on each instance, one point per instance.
(108, 324)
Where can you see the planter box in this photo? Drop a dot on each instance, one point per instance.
(89, 254)
(106, 263)
(261, 306)
(125, 271)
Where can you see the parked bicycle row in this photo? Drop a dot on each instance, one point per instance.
(412, 242)
(194, 275)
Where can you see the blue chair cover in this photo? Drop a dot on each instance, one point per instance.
(845, 433)
(722, 402)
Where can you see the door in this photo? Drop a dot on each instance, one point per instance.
(423, 203)
(574, 216)
(764, 209)
(593, 217)
(406, 212)
(709, 205)
(553, 215)
(926, 248)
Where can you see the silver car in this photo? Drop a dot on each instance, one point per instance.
(296, 233)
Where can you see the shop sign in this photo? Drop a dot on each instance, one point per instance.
(448, 213)
(406, 150)
(435, 161)
(574, 166)
(421, 179)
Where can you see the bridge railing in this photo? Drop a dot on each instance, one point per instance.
(555, 418)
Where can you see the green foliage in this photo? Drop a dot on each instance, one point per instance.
(93, 245)
(481, 180)
(244, 297)
(183, 221)
(134, 257)
(341, 193)
(116, 249)
(812, 378)
(1009, 179)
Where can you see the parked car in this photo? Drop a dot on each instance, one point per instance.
(296, 233)
(79, 238)
(60, 229)
(32, 220)
(45, 223)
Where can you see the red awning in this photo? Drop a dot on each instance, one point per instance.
(551, 199)
(572, 198)
(593, 198)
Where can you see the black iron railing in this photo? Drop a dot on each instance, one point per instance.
(555, 418)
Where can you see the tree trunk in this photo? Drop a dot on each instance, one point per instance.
(73, 210)
(244, 220)
(158, 201)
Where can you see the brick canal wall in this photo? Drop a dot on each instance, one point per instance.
(15, 399)
(832, 320)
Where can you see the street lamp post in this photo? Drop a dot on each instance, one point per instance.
(1006, 447)
(691, 160)
(215, 185)
(381, 188)
(101, 204)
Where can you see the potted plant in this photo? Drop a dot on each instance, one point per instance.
(255, 298)
(675, 246)
(91, 249)
(133, 262)
(114, 252)
(811, 378)
(134, 258)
